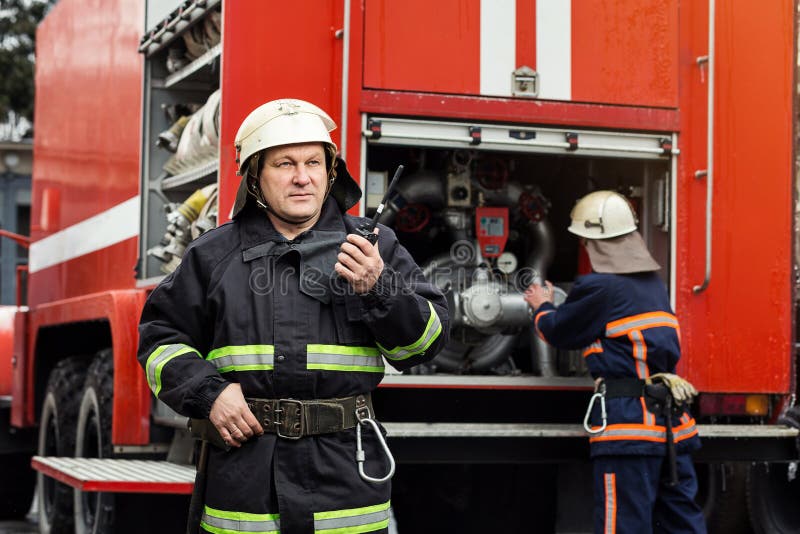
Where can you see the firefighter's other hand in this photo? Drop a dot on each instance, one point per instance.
(536, 295)
(682, 390)
(232, 417)
(359, 263)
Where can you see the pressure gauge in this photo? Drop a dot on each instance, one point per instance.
(507, 262)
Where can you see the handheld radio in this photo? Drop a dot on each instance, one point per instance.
(367, 230)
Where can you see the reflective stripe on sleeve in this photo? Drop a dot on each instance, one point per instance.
(594, 348)
(432, 331)
(159, 358)
(224, 522)
(536, 324)
(352, 521)
(243, 358)
(642, 321)
(344, 358)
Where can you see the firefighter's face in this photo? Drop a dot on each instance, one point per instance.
(294, 180)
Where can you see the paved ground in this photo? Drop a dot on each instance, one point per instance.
(18, 527)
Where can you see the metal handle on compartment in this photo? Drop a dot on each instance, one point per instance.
(709, 172)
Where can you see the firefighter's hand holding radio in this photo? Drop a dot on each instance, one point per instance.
(640, 431)
(272, 332)
(359, 262)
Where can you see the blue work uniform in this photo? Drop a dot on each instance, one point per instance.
(626, 328)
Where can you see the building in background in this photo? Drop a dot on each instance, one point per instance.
(16, 165)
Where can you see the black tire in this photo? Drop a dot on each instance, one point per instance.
(722, 495)
(57, 426)
(15, 498)
(772, 498)
(94, 511)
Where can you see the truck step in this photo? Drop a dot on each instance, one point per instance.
(113, 475)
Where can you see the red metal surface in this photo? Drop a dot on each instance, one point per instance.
(6, 349)
(526, 33)
(88, 120)
(19, 372)
(108, 268)
(625, 52)
(182, 488)
(737, 334)
(411, 46)
(122, 310)
(257, 67)
(517, 110)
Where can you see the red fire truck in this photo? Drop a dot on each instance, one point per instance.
(504, 112)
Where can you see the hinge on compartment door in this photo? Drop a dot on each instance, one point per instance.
(525, 82)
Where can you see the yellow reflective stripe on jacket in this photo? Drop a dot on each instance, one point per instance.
(353, 521)
(343, 358)
(243, 358)
(159, 358)
(223, 522)
(432, 331)
(623, 326)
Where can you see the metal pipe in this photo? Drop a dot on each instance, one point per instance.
(709, 172)
(543, 354)
(345, 79)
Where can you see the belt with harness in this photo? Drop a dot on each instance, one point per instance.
(293, 419)
(664, 394)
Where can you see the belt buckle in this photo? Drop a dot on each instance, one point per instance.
(289, 422)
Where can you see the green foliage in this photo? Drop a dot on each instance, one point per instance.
(18, 21)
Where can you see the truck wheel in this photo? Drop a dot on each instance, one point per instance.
(57, 438)
(773, 491)
(722, 495)
(15, 499)
(94, 511)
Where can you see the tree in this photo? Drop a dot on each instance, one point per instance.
(18, 21)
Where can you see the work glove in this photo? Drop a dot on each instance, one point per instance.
(682, 390)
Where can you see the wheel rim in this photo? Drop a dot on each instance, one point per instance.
(90, 500)
(49, 483)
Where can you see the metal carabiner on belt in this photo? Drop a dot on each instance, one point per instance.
(364, 417)
(600, 393)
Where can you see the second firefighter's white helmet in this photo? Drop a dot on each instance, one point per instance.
(281, 122)
(602, 215)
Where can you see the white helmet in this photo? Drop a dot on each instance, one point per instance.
(602, 215)
(282, 122)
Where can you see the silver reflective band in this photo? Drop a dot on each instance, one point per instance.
(159, 358)
(432, 330)
(611, 504)
(659, 319)
(242, 358)
(366, 519)
(220, 521)
(344, 358)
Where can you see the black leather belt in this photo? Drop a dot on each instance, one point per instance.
(293, 419)
(623, 387)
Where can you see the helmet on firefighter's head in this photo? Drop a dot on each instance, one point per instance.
(602, 215)
(281, 122)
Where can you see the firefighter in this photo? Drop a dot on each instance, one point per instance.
(640, 431)
(275, 327)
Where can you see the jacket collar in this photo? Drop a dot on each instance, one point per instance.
(256, 228)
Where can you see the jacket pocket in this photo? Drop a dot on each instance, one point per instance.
(350, 329)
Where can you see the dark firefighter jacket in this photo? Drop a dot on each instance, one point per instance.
(626, 329)
(246, 305)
